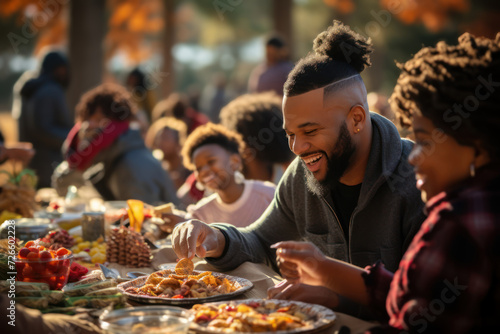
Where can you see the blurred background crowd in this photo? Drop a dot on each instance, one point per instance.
(183, 64)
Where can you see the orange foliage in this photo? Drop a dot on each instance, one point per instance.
(487, 25)
(343, 6)
(49, 22)
(130, 24)
(432, 13)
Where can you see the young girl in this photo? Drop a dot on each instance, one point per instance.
(449, 279)
(214, 153)
(166, 136)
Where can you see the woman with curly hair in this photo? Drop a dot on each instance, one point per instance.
(449, 279)
(103, 148)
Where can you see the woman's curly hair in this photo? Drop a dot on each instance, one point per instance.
(457, 87)
(112, 100)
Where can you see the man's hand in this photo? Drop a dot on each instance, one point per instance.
(169, 222)
(197, 238)
(301, 262)
(304, 293)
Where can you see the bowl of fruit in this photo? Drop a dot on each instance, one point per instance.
(36, 263)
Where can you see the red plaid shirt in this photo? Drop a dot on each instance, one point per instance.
(449, 279)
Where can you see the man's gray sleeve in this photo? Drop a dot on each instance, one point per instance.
(253, 243)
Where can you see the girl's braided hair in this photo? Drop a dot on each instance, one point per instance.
(457, 87)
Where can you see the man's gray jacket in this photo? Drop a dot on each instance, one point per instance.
(388, 214)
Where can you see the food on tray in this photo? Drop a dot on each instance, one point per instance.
(127, 247)
(92, 277)
(33, 302)
(169, 284)
(18, 193)
(36, 263)
(76, 272)
(81, 290)
(94, 251)
(53, 296)
(23, 286)
(104, 292)
(255, 316)
(165, 208)
(97, 301)
(57, 239)
(184, 267)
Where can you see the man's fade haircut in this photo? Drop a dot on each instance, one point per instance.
(250, 115)
(438, 82)
(112, 100)
(211, 133)
(338, 53)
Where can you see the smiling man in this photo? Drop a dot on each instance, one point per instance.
(350, 191)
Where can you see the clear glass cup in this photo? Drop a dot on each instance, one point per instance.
(147, 320)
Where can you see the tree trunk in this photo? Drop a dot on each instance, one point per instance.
(86, 35)
(168, 40)
(282, 20)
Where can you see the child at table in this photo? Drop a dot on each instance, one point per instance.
(215, 155)
(449, 278)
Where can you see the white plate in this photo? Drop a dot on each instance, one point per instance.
(243, 283)
(320, 317)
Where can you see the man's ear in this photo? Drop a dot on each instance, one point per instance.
(356, 119)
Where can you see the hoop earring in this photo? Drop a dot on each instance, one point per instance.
(199, 186)
(472, 170)
(239, 178)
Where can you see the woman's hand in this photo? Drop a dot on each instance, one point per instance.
(301, 262)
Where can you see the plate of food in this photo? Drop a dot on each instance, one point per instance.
(260, 315)
(184, 286)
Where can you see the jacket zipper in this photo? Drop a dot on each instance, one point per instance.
(350, 231)
(340, 225)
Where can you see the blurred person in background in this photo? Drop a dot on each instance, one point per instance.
(44, 118)
(22, 152)
(103, 149)
(177, 106)
(272, 73)
(165, 138)
(259, 120)
(379, 103)
(143, 95)
(214, 97)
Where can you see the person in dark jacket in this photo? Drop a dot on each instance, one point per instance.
(102, 147)
(350, 190)
(44, 118)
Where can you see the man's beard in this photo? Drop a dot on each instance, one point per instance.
(337, 164)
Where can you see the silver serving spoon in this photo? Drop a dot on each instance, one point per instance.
(136, 274)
